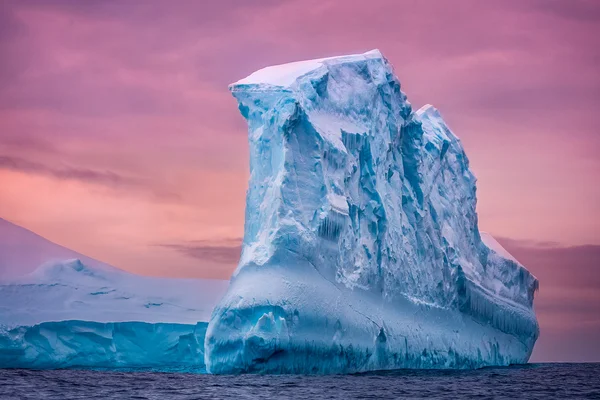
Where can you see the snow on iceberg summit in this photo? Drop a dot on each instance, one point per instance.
(361, 247)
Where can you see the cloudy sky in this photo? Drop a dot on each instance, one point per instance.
(119, 139)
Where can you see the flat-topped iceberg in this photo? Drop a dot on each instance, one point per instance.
(361, 247)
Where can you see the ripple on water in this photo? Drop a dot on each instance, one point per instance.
(540, 381)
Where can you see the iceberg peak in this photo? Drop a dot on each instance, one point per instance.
(428, 110)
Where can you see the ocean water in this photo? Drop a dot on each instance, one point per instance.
(535, 381)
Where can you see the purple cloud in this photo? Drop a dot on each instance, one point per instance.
(226, 251)
(108, 178)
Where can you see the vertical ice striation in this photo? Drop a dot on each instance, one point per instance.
(361, 247)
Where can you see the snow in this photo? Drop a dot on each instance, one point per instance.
(71, 290)
(285, 74)
(361, 245)
(338, 203)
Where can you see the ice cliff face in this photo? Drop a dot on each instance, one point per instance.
(112, 345)
(361, 247)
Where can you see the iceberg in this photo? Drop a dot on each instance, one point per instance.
(361, 244)
(83, 313)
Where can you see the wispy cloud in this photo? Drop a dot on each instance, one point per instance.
(224, 251)
(27, 143)
(529, 244)
(106, 177)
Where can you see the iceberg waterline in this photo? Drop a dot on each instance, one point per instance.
(361, 247)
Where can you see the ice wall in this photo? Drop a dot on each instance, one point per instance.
(85, 344)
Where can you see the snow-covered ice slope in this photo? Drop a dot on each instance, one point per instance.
(86, 313)
(22, 251)
(361, 247)
(71, 290)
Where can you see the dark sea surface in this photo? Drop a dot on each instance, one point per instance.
(539, 381)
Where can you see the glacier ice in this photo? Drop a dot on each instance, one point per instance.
(74, 314)
(361, 246)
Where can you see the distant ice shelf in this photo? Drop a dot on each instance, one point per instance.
(72, 290)
(68, 314)
(361, 246)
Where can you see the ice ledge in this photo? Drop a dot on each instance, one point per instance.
(285, 75)
(493, 244)
(428, 111)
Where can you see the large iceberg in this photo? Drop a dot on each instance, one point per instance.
(361, 247)
(83, 313)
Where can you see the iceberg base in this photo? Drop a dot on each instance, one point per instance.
(344, 332)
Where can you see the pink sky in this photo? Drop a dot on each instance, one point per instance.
(119, 139)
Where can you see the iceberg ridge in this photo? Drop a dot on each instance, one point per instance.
(361, 246)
